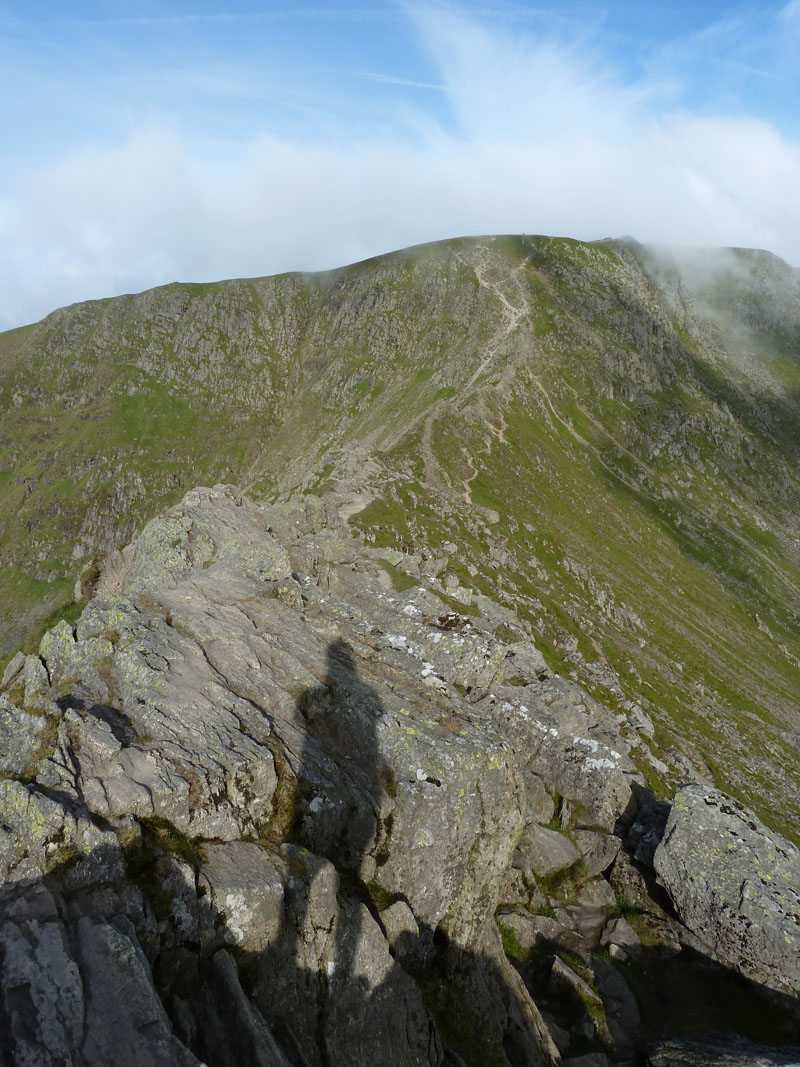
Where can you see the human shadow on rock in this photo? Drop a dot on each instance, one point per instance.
(352, 977)
(159, 949)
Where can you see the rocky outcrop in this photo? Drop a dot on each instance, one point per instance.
(735, 884)
(246, 753)
(259, 806)
(722, 1050)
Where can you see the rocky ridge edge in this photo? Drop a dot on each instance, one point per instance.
(260, 805)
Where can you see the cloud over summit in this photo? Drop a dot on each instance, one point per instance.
(508, 126)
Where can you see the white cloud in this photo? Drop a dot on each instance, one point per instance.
(549, 138)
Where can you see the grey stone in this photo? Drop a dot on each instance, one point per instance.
(648, 829)
(252, 680)
(517, 889)
(719, 1050)
(13, 670)
(622, 1012)
(179, 884)
(560, 1036)
(509, 1013)
(587, 910)
(547, 851)
(619, 932)
(540, 931)
(242, 887)
(630, 883)
(591, 1059)
(735, 884)
(523, 664)
(42, 993)
(205, 531)
(227, 1025)
(400, 925)
(564, 982)
(541, 806)
(19, 737)
(90, 1004)
(641, 721)
(598, 850)
(55, 650)
(36, 681)
(330, 960)
(38, 833)
(125, 1022)
(562, 977)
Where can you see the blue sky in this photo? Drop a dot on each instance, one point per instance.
(147, 142)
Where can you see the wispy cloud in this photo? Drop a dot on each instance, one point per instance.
(747, 68)
(288, 14)
(544, 133)
(389, 79)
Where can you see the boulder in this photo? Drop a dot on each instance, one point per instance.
(20, 734)
(637, 887)
(13, 671)
(620, 933)
(597, 850)
(233, 1031)
(540, 804)
(278, 796)
(547, 852)
(587, 909)
(540, 932)
(243, 883)
(84, 996)
(735, 884)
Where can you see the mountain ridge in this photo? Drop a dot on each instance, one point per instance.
(582, 420)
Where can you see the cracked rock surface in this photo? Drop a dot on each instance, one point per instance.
(735, 884)
(258, 806)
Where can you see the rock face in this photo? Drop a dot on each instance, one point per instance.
(259, 806)
(244, 754)
(722, 1050)
(735, 884)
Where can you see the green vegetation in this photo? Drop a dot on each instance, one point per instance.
(400, 580)
(380, 897)
(511, 946)
(545, 909)
(160, 836)
(626, 909)
(146, 847)
(39, 604)
(620, 474)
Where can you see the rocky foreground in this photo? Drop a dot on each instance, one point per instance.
(279, 798)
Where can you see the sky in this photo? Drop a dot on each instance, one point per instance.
(146, 142)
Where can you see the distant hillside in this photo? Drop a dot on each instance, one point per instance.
(603, 437)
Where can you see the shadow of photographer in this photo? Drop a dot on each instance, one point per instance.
(283, 954)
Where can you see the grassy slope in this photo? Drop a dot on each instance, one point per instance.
(594, 443)
(627, 505)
